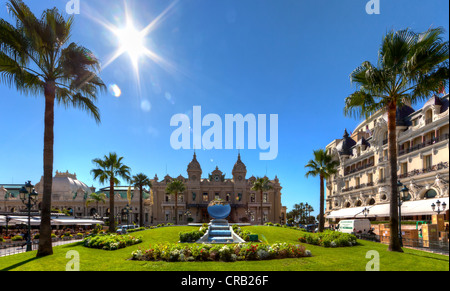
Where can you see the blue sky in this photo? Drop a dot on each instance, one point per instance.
(291, 57)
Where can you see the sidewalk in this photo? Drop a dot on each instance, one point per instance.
(21, 249)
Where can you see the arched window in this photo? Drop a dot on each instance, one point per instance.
(372, 201)
(430, 194)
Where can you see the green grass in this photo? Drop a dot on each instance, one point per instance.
(323, 259)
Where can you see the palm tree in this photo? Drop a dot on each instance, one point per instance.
(140, 181)
(261, 185)
(175, 188)
(109, 170)
(37, 59)
(96, 197)
(411, 66)
(323, 166)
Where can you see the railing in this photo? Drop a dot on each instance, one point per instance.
(440, 166)
(360, 186)
(17, 247)
(357, 169)
(423, 145)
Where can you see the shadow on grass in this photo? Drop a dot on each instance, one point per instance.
(12, 267)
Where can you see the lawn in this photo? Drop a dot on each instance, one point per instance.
(323, 259)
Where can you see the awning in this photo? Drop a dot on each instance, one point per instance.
(35, 220)
(409, 208)
(345, 212)
(76, 222)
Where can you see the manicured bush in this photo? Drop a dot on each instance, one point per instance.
(110, 241)
(328, 238)
(244, 234)
(17, 238)
(193, 236)
(226, 253)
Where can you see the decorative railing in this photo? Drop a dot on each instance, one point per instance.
(423, 145)
(440, 166)
(357, 169)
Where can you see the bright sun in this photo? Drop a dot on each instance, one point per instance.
(132, 42)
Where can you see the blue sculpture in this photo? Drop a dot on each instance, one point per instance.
(218, 209)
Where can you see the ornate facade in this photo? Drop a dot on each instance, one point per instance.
(159, 207)
(245, 203)
(423, 159)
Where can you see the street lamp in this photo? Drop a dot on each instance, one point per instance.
(438, 204)
(128, 209)
(402, 190)
(365, 211)
(28, 195)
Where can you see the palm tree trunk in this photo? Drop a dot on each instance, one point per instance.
(261, 210)
(112, 222)
(45, 231)
(394, 241)
(141, 210)
(176, 208)
(322, 198)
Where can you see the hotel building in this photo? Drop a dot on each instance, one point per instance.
(362, 181)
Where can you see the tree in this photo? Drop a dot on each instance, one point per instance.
(411, 66)
(140, 181)
(96, 197)
(175, 188)
(261, 185)
(37, 59)
(109, 170)
(323, 166)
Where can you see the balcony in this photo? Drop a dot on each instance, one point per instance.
(360, 186)
(425, 144)
(440, 166)
(357, 169)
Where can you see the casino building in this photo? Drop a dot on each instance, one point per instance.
(192, 204)
(68, 193)
(362, 181)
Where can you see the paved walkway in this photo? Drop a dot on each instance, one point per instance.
(19, 249)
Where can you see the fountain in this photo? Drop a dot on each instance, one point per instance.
(219, 231)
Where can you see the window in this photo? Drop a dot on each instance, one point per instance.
(167, 198)
(346, 184)
(265, 197)
(370, 178)
(227, 198)
(404, 168)
(180, 198)
(252, 197)
(216, 196)
(205, 197)
(357, 181)
(427, 162)
(430, 194)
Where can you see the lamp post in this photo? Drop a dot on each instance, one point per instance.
(128, 209)
(438, 204)
(402, 189)
(365, 211)
(28, 195)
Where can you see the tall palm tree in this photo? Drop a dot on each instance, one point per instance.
(96, 197)
(175, 188)
(140, 181)
(261, 185)
(323, 166)
(37, 59)
(109, 170)
(411, 66)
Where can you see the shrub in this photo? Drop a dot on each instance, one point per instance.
(110, 241)
(328, 239)
(17, 238)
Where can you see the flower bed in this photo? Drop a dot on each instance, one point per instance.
(227, 253)
(328, 239)
(110, 241)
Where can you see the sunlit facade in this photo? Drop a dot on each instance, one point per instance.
(423, 159)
